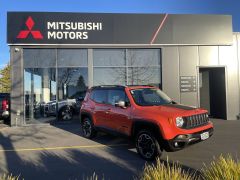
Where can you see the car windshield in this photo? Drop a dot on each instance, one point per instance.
(150, 97)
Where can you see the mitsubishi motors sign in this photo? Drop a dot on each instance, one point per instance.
(104, 28)
(61, 30)
(57, 28)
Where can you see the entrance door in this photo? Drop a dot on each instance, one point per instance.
(213, 91)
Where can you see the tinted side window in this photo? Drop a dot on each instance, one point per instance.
(99, 96)
(116, 95)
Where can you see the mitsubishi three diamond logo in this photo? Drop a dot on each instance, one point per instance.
(25, 33)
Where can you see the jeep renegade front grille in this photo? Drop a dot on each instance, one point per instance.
(195, 120)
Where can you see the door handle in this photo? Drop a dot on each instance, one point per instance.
(107, 111)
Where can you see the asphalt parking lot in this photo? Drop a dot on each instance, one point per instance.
(59, 151)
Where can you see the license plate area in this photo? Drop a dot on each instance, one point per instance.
(204, 135)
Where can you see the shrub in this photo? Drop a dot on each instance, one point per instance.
(9, 177)
(93, 177)
(222, 168)
(167, 171)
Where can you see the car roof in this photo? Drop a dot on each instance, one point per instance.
(123, 87)
(142, 87)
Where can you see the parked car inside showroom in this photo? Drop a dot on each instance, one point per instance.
(66, 108)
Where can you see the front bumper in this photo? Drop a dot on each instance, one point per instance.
(181, 141)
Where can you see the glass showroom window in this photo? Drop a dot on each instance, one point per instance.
(39, 83)
(109, 67)
(143, 67)
(126, 66)
(48, 90)
(72, 80)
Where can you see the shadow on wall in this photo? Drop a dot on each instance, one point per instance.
(112, 163)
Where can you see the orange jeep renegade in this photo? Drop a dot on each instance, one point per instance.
(147, 115)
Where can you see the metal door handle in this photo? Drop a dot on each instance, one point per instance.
(108, 111)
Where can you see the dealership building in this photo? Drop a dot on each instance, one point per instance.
(55, 57)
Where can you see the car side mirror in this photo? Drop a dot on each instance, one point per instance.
(121, 104)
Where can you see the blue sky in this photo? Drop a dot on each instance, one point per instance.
(231, 7)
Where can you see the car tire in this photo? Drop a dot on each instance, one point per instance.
(147, 145)
(88, 128)
(65, 114)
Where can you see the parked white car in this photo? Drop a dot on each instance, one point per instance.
(66, 108)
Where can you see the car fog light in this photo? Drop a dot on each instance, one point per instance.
(176, 144)
(183, 136)
(179, 121)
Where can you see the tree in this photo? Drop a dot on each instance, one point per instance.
(138, 74)
(81, 85)
(5, 80)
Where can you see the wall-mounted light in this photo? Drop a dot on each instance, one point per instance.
(17, 49)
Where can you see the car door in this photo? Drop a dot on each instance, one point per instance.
(120, 119)
(101, 109)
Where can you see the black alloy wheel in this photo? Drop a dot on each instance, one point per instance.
(147, 145)
(87, 128)
(66, 114)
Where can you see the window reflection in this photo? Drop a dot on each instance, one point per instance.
(72, 58)
(39, 58)
(72, 83)
(126, 67)
(143, 57)
(144, 75)
(109, 76)
(38, 93)
(48, 96)
(109, 57)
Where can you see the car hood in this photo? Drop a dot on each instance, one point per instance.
(173, 110)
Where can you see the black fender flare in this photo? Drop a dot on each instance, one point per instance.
(148, 125)
(85, 114)
(145, 124)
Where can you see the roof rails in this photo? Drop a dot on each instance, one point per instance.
(108, 86)
(120, 86)
(140, 85)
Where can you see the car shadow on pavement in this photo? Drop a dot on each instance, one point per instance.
(74, 164)
(126, 153)
(108, 162)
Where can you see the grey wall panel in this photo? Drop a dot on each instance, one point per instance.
(228, 58)
(188, 58)
(189, 99)
(17, 94)
(208, 55)
(170, 72)
(202, 29)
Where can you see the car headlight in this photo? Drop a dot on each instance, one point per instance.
(179, 121)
